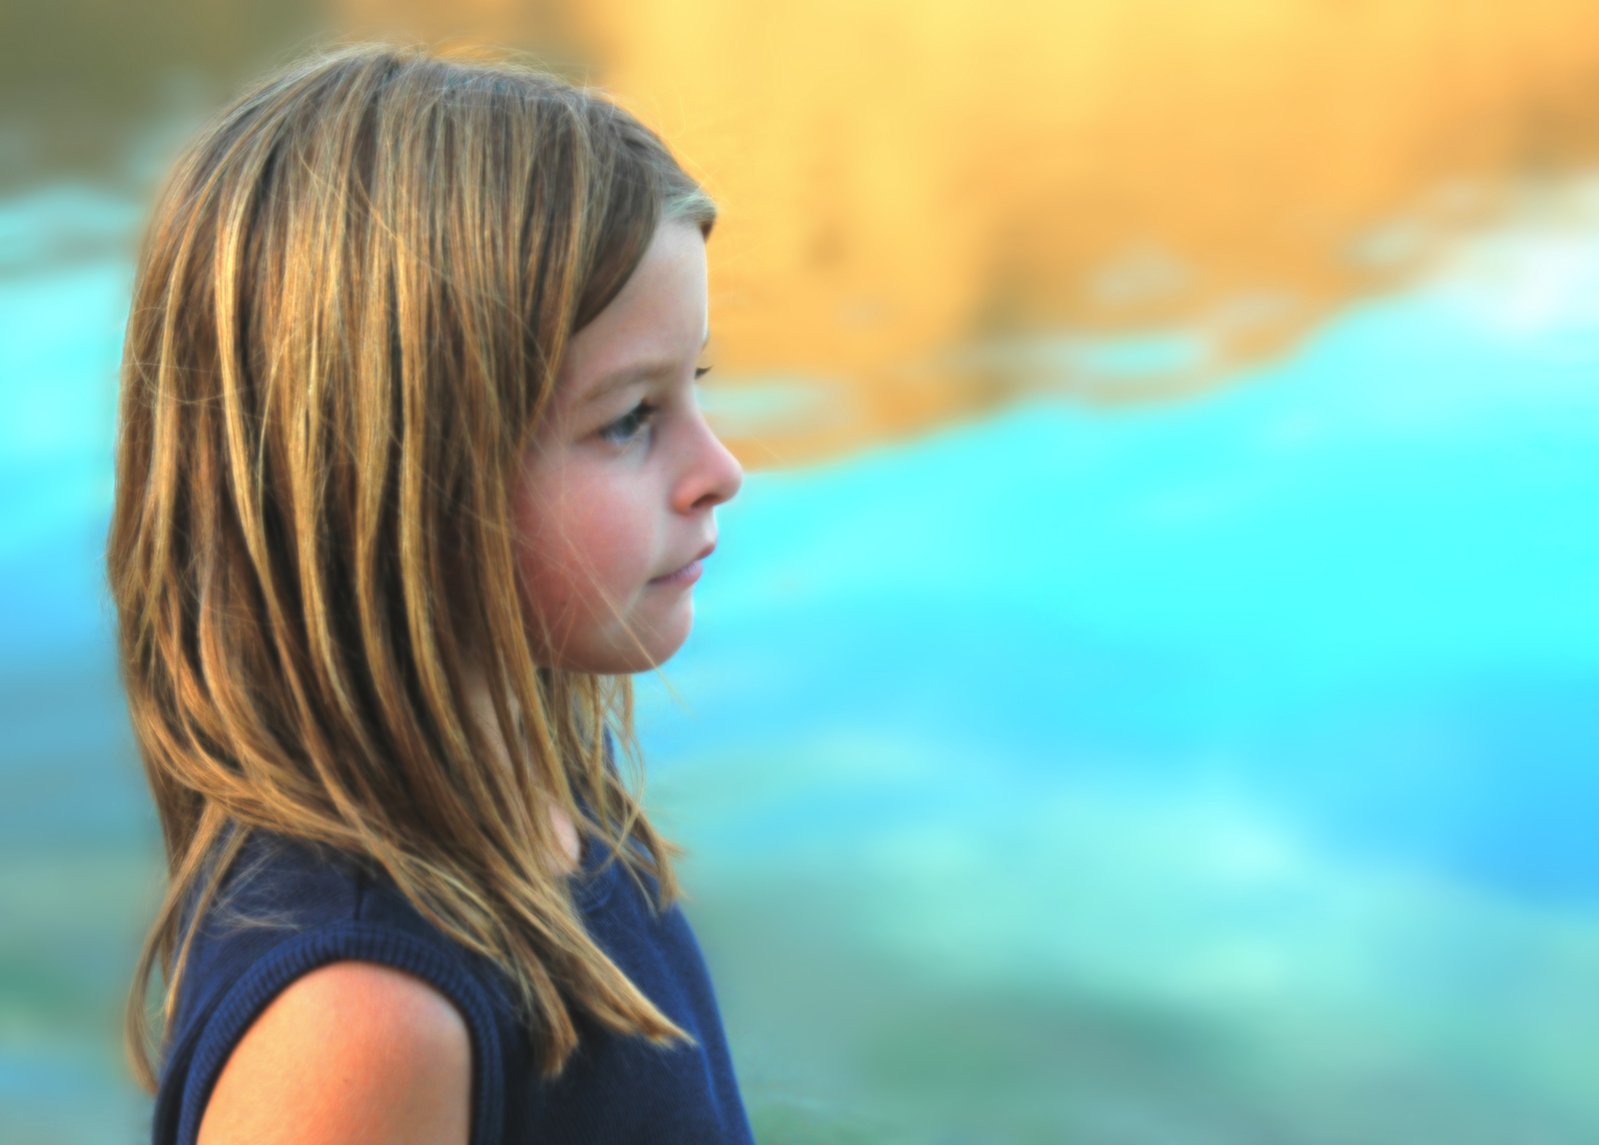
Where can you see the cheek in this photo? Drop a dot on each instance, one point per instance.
(575, 554)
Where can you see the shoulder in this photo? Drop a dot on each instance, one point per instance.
(349, 1051)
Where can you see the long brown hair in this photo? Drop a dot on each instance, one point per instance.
(350, 308)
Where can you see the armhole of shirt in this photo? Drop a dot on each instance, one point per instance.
(245, 1000)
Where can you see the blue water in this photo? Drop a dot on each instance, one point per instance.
(1359, 574)
(1354, 585)
(1274, 705)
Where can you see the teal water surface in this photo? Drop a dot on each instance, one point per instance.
(1220, 771)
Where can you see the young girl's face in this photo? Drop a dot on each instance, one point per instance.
(619, 488)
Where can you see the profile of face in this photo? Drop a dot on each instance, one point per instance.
(618, 491)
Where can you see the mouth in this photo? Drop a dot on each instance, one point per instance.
(690, 572)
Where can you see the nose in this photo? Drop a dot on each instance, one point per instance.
(713, 475)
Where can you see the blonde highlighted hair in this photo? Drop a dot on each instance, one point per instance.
(350, 308)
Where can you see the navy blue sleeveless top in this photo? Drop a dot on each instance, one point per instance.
(288, 907)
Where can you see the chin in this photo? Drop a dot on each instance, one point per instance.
(614, 650)
(625, 657)
(658, 654)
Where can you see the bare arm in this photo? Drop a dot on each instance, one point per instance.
(352, 1051)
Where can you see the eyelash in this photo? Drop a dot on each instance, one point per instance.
(626, 428)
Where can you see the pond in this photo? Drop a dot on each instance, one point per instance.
(1216, 770)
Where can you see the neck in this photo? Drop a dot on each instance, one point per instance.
(480, 709)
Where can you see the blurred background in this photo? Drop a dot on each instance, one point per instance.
(1145, 692)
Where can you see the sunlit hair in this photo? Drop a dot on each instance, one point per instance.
(350, 308)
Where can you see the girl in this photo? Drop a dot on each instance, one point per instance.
(410, 477)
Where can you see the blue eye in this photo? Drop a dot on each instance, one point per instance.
(627, 427)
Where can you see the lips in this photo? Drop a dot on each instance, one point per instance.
(700, 556)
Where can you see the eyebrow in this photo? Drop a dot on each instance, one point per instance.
(628, 375)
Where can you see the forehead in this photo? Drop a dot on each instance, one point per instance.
(656, 321)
